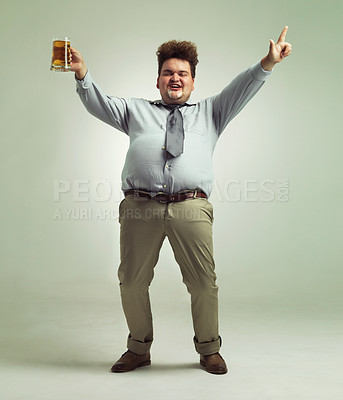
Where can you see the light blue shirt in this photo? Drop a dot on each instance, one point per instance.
(146, 165)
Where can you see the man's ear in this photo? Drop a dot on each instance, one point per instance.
(157, 83)
(193, 85)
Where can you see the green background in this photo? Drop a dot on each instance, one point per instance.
(278, 262)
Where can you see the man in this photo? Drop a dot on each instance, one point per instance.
(167, 179)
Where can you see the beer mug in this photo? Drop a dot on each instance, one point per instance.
(60, 54)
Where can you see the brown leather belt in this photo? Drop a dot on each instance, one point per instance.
(166, 197)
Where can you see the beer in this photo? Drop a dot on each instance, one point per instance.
(60, 55)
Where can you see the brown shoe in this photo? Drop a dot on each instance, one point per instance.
(130, 361)
(214, 364)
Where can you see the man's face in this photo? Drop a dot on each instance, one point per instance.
(175, 81)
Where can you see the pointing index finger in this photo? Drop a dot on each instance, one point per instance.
(282, 37)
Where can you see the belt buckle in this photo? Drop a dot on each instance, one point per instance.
(161, 198)
(167, 198)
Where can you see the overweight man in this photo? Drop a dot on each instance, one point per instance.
(167, 180)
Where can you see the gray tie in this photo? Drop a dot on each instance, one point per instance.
(175, 133)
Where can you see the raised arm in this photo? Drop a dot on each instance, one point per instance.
(109, 109)
(277, 51)
(243, 88)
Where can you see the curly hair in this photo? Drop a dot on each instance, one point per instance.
(178, 49)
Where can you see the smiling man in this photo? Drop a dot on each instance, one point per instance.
(175, 81)
(167, 180)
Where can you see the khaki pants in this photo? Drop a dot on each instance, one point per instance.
(188, 225)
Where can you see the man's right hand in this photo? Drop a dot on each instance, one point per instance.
(77, 64)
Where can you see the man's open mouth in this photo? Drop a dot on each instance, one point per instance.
(174, 86)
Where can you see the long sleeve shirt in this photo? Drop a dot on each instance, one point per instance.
(146, 166)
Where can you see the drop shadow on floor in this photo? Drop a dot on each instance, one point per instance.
(96, 366)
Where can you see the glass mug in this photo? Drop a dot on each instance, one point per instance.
(60, 54)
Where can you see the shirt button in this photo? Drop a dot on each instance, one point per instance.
(163, 148)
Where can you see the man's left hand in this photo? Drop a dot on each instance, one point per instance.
(277, 51)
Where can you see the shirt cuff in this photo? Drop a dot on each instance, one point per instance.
(86, 82)
(259, 73)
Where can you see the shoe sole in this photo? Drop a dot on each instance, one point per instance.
(143, 364)
(203, 364)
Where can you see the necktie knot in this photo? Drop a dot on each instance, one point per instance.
(173, 106)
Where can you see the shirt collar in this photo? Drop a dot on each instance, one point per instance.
(161, 102)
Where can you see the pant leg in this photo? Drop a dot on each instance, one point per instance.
(141, 237)
(189, 230)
